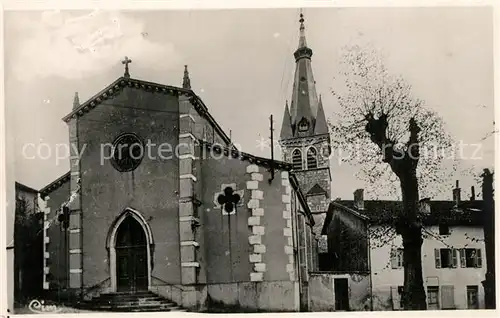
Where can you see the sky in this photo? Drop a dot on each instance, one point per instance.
(241, 64)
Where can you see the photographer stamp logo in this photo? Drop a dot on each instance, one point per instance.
(39, 307)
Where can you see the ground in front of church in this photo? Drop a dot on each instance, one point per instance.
(61, 310)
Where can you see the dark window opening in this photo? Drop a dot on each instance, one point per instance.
(397, 258)
(446, 258)
(470, 257)
(444, 229)
(433, 297)
(472, 301)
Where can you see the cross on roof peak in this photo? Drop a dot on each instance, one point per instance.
(126, 61)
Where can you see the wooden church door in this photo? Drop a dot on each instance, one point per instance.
(131, 256)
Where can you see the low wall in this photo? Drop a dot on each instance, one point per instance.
(277, 296)
(322, 291)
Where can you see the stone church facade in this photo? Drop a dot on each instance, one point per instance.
(158, 199)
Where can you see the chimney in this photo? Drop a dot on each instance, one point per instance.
(472, 193)
(358, 199)
(456, 195)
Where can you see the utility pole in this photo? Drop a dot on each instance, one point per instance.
(271, 128)
(489, 239)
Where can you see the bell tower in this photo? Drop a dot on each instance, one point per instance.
(304, 138)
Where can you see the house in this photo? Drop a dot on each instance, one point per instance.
(27, 245)
(204, 224)
(361, 239)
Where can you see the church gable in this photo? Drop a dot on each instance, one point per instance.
(115, 89)
(189, 102)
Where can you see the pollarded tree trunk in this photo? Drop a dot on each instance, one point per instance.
(403, 162)
(489, 240)
(414, 297)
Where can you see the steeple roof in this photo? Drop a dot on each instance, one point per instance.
(321, 126)
(305, 112)
(286, 126)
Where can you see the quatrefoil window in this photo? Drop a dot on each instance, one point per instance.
(228, 199)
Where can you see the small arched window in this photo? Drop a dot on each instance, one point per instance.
(312, 160)
(297, 159)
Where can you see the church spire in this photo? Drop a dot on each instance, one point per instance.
(76, 101)
(302, 51)
(186, 81)
(304, 103)
(302, 38)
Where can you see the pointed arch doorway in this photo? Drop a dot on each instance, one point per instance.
(130, 254)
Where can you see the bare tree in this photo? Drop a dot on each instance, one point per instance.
(400, 145)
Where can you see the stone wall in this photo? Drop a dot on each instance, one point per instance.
(248, 254)
(55, 250)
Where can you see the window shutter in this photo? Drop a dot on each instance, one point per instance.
(447, 297)
(437, 257)
(395, 298)
(479, 261)
(394, 259)
(399, 258)
(462, 257)
(454, 257)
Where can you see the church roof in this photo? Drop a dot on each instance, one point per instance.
(24, 187)
(236, 154)
(55, 184)
(305, 108)
(115, 87)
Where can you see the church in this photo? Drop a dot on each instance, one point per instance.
(158, 199)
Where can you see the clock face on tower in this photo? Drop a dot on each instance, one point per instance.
(127, 152)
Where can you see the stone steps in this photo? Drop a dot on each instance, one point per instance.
(131, 302)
